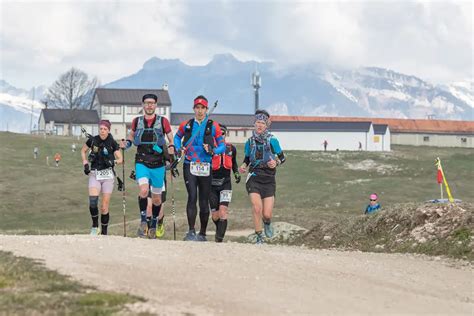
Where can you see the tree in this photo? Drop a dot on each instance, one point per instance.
(73, 91)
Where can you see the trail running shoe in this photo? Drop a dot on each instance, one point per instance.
(152, 233)
(201, 237)
(160, 230)
(190, 235)
(94, 231)
(259, 239)
(142, 230)
(268, 229)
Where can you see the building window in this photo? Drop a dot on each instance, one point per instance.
(426, 138)
(133, 109)
(236, 133)
(463, 140)
(76, 130)
(112, 109)
(245, 133)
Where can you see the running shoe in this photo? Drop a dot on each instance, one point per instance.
(152, 233)
(268, 229)
(94, 231)
(190, 235)
(142, 230)
(160, 230)
(201, 237)
(259, 240)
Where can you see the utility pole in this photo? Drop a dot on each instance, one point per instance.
(31, 114)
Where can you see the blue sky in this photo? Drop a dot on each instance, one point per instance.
(111, 39)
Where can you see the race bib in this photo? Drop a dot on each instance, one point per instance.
(106, 174)
(226, 195)
(200, 169)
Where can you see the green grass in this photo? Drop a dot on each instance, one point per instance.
(27, 288)
(41, 199)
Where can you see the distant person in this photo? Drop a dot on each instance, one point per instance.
(73, 147)
(104, 153)
(373, 204)
(35, 152)
(262, 155)
(325, 144)
(57, 159)
(360, 146)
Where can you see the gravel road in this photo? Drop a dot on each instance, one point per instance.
(241, 279)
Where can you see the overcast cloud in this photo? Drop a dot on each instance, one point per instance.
(112, 39)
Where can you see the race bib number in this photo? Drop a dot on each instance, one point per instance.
(106, 174)
(200, 169)
(226, 195)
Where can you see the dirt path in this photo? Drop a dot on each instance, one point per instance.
(241, 279)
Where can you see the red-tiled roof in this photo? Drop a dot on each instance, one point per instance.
(396, 125)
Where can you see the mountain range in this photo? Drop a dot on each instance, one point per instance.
(310, 89)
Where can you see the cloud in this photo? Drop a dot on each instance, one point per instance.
(112, 39)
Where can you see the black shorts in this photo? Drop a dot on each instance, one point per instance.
(265, 186)
(215, 194)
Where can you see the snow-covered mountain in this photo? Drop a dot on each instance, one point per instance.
(301, 90)
(17, 109)
(304, 89)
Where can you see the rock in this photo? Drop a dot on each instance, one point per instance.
(327, 237)
(379, 246)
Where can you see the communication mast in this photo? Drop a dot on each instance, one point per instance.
(256, 84)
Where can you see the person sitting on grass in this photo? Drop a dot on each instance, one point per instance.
(373, 204)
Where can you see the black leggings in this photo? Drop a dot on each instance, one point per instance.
(197, 185)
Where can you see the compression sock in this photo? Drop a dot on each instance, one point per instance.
(104, 221)
(94, 210)
(221, 229)
(155, 211)
(142, 204)
(160, 221)
(148, 221)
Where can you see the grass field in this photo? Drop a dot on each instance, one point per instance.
(311, 186)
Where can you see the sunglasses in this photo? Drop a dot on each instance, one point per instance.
(373, 200)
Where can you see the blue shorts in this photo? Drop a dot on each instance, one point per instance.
(155, 177)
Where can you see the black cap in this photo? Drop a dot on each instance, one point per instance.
(150, 96)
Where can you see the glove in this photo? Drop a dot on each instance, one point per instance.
(120, 185)
(87, 169)
(133, 176)
(237, 177)
(175, 172)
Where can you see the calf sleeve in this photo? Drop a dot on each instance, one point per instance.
(94, 210)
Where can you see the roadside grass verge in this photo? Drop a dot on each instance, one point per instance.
(28, 288)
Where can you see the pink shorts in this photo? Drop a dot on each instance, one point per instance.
(104, 186)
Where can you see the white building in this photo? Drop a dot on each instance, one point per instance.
(121, 106)
(311, 136)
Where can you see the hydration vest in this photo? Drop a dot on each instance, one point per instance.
(188, 130)
(101, 154)
(224, 159)
(260, 153)
(157, 130)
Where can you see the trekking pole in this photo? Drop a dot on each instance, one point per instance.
(123, 194)
(172, 207)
